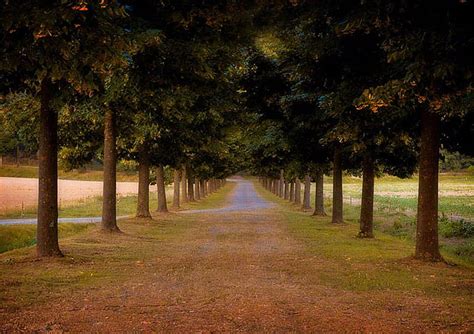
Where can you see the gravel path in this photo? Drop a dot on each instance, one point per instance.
(244, 198)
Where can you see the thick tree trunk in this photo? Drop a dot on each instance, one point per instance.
(202, 188)
(298, 191)
(337, 199)
(184, 185)
(109, 200)
(206, 188)
(47, 227)
(143, 204)
(191, 188)
(427, 247)
(319, 195)
(161, 190)
(197, 192)
(307, 193)
(286, 190)
(367, 202)
(176, 177)
(292, 191)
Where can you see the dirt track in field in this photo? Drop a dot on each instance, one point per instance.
(15, 190)
(237, 271)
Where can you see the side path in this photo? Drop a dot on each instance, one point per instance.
(208, 272)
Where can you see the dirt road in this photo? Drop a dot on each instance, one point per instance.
(226, 271)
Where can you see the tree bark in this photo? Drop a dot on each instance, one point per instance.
(337, 199)
(197, 192)
(184, 185)
(161, 190)
(202, 188)
(286, 190)
(143, 204)
(176, 177)
(292, 191)
(191, 188)
(17, 155)
(109, 200)
(319, 195)
(307, 193)
(427, 247)
(281, 183)
(47, 227)
(367, 202)
(298, 191)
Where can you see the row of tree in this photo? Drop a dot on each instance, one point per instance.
(366, 87)
(306, 87)
(148, 81)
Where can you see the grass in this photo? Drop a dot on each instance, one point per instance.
(383, 264)
(92, 258)
(17, 236)
(394, 224)
(86, 175)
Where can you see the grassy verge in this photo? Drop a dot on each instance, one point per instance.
(380, 268)
(17, 236)
(92, 258)
(87, 175)
(397, 227)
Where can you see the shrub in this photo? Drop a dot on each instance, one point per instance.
(455, 228)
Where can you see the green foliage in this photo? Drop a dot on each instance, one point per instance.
(455, 228)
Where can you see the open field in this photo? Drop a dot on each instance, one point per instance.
(261, 271)
(81, 175)
(456, 193)
(22, 193)
(395, 209)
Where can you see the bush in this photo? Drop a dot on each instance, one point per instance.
(455, 228)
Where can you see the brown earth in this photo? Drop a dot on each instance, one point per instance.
(205, 273)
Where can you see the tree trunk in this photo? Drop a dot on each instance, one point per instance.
(197, 192)
(109, 200)
(191, 188)
(319, 195)
(337, 199)
(176, 177)
(17, 155)
(298, 191)
(206, 188)
(286, 190)
(281, 183)
(292, 191)
(160, 185)
(367, 202)
(427, 247)
(307, 193)
(184, 185)
(143, 205)
(202, 188)
(47, 227)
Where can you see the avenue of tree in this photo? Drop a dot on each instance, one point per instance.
(287, 90)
